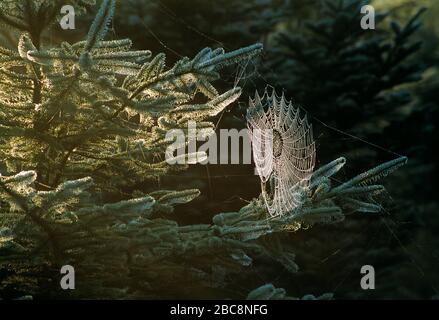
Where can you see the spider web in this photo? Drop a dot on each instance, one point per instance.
(283, 149)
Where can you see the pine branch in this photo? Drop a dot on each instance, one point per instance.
(99, 27)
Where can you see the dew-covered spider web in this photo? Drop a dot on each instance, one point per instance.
(283, 150)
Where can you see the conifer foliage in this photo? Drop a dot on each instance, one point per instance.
(334, 66)
(82, 143)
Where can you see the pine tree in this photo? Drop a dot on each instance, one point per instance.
(334, 67)
(83, 137)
